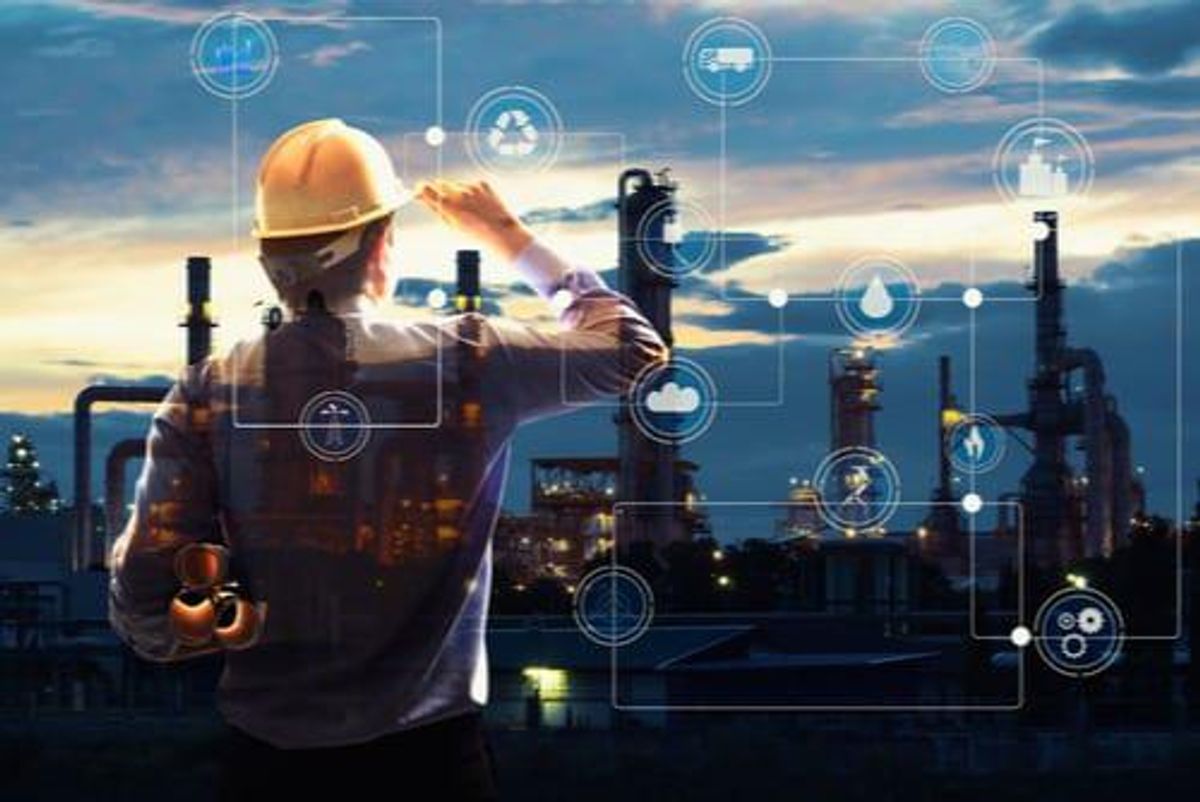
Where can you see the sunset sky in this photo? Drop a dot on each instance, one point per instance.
(117, 165)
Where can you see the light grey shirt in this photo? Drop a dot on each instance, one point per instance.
(354, 467)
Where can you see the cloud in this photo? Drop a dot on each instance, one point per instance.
(1149, 39)
(189, 13)
(964, 110)
(82, 47)
(1139, 269)
(806, 163)
(1135, 287)
(739, 246)
(150, 10)
(72, 362)
(1167, 91)
(673, 399)
(328, 55)
(588, 213)
(153, 380)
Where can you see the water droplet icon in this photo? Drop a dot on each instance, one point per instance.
(876, 302)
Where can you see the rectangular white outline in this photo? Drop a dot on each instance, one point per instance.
(300, 19)
(1179, 436)
(615, 670)
(722, 181)
(1040, 66)
(620, 150)
(780, 341)
(724, 236)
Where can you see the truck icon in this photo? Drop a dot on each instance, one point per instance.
(717, 59)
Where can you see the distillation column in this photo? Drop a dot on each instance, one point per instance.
(647, 467)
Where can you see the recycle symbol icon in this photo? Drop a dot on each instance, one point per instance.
(513, 133)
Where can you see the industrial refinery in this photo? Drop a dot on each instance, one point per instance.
(57, 646)
(548, 400)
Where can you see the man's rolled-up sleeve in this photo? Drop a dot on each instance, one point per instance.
(175, 505)
(603, 342)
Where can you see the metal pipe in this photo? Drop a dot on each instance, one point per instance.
(114, 480)
(81, 551)
(1098, 467)
(1122, 465)
(199, 325)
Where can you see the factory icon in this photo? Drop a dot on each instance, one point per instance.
(1038, 178)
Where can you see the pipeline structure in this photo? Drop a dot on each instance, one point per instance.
(1067, 517)
(649, 471)
(199, 324)
(1054, 500)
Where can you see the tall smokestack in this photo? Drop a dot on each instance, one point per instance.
(467, 295)
(648, 472)
(1044, 486)
(199, 322)
(943, 517)
(945, 403)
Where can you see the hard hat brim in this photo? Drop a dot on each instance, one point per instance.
(402, 196)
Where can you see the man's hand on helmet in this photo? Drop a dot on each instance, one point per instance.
(476, 210)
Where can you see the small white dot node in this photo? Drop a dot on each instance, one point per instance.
(972, 298)
(972, 503)
(1021, 637)
(436, 298)
(435, 135)
(777, 298)
(1039, 230)
(560, 300)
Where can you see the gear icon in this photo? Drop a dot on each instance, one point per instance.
(1091, 620)
(1079, 632)
(1073, 646)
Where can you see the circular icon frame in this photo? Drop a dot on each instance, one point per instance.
(1075, 632)
(978, 420)
(885, 509)
(643, 387)
(929, 61)
(694, 51)
(644, 241)
(360, 431)
(603, 626)
(203, 72)
(478, 142)
(1038, 126)
(848, 298)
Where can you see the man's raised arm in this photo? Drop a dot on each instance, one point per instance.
(603, 343)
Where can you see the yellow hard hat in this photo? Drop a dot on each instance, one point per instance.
(324, 176)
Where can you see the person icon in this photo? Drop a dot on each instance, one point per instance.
(334, 414)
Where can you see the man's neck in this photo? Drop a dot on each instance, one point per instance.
(361, 304)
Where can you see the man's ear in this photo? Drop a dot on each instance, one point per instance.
(377, 264)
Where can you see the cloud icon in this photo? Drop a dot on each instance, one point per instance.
(673, 399)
